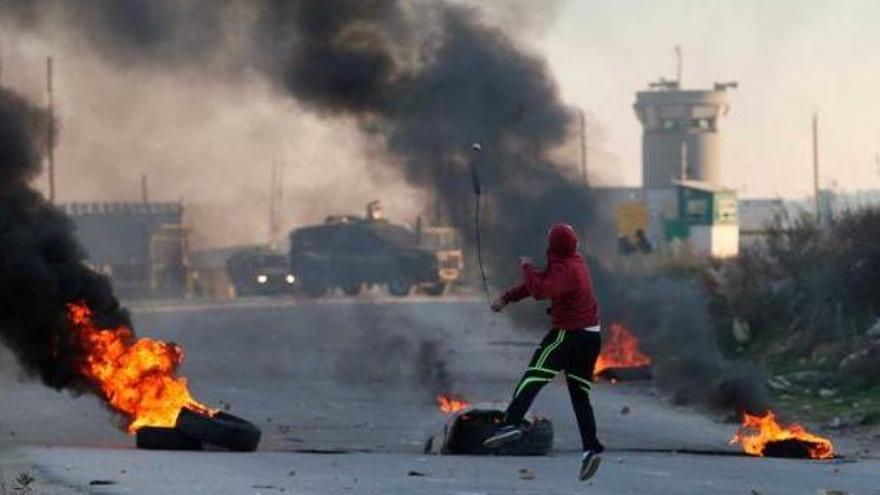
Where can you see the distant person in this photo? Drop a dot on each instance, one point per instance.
(572, 345)
(624, 246)
(642, 242)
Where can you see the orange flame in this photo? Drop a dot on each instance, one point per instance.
(136, 378)
(450, 405)
(758, 431)
(621, 350)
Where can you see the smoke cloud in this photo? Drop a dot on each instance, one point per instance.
(41, 263)
(204, 122)
(432, 92)
(670, 316)
(426, 79)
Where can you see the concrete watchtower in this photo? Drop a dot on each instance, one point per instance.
(681, 139)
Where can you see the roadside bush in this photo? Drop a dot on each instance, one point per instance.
(803, 286)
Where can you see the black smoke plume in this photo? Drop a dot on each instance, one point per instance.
(41, 263)
(431, 80)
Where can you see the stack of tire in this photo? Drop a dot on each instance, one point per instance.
(472, 427)
(195, 431)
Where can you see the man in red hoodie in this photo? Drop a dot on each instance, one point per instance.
(572, 345)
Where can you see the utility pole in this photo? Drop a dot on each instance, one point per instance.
(678, 64)
(50, 130)
(816, 166)
(276, 195)
(583, 122)
(145, 197)
(684, 160)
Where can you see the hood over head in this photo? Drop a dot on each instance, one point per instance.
(562, 241)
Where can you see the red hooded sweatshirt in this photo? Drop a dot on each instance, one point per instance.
(565, 281)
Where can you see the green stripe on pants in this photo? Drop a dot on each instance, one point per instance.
(526, 381)
(549, 350)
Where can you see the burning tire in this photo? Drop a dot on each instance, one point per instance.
(223, 430)
(470, 429)
(157, 438)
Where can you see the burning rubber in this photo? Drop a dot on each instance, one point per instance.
(194, 430)
(622, 359)
(222, 429)
(764, 436)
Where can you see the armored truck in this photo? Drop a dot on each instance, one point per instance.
(351, 252)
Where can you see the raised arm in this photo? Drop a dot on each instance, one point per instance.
(512, 295)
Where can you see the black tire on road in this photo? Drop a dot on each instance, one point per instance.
(399, 288)
(470, 429)
(223, 430)
(158, 438)
(537, 439)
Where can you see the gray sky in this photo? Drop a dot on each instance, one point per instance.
(211, 141)
(790, 57)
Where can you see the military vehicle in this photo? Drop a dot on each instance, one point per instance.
(260, 271)
(351, 252)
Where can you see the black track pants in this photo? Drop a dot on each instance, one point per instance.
(574, 352)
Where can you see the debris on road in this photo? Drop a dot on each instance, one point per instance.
(101, 482)
(269, 487)
(526, 474)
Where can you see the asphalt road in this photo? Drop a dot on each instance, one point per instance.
(344, 391)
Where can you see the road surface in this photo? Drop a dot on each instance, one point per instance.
(344, 392)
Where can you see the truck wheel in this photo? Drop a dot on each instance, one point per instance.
(399, 288)
(437, 289)
(351, 289)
